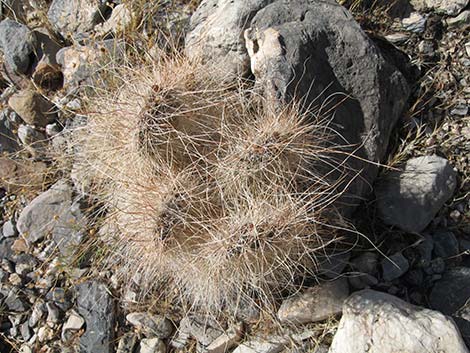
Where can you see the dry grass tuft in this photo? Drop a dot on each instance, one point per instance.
(211, 194)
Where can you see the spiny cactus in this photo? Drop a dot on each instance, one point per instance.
(211, 191)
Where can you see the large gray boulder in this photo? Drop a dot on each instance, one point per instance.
(314, 51)
(410, 199)
(17, 43)
(376, 322)
(216, 34)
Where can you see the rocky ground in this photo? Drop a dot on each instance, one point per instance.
(408, 272)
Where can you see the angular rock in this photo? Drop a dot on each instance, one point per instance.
(120, 19)
(6, 251)
(216, 34)
(127, 343)
(376, 322)
(32, 107)
(79, 63)
(25, 263)
(332, 265)
(74, 323)
(410, 199)
(34, 140)
(451, 293)
(414, 23)
(73, 17)
(48, 77)
(292, 45)
(9, 229)
(315, 304)
(14, 302)
(152, 345)
(199, 329)
(365, 270)
(446, 7)
(17, 43)
(8, 141)
(96, 306)
(446, 244)
(52, 313)
(226, 340)
(45, 334)
(26, 332)
(262, 345)
(153, 325)
(53, 212)
(394, 267)
(60, 297)
(461, 20)
(39, 309)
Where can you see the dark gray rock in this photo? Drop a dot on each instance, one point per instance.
(127, 343)
(364, 270)
(8, 141)
(96, 306)
(410, 199)
(17, 43)
(6, 251)
(314, 51)
(53, 314)
(70, 18)
(60, 297)
(462, 319)
(394, 266)
(153, 325)
(451, 293)
(25, 263)
(53, 212)
(425, 249)
(438, 265)
(14, 302)
(332, 265)
(415, 277)
(446, 244)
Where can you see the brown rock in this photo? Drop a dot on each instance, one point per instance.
(20, 245)
(33, 108)
(15, 175)
(48, 77)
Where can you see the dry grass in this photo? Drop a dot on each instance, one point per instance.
(211, 196)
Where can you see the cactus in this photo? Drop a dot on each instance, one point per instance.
(211, 191)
